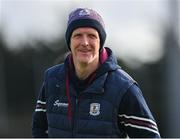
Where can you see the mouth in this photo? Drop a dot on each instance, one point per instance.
(84, 50)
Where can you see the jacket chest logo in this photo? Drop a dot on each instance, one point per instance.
(94, 109)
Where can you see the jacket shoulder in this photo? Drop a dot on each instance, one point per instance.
(55, 70)
(120, 81)
(122, 76)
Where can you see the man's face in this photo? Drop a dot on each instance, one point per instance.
(85, 45)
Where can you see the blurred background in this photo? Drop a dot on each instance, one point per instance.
(144, 34)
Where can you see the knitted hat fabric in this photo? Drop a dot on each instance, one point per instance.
(85, 17)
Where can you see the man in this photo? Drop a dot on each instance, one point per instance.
(89, 95)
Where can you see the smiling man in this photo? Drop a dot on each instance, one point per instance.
(89, 95)
(85, 45)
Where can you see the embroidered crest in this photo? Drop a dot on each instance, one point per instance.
(94, 109)
(84, 12)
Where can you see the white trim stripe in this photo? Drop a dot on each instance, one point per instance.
(142, 127)
(138, 118)
(39, 110)
(41, 102)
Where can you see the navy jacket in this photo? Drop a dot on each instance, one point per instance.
(112, 105)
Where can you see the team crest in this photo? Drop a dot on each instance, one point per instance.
(94, 109)
(84, 12)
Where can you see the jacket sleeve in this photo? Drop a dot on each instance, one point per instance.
(135, 117)
(39, 119)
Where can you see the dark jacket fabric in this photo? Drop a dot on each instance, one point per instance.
(110, 105)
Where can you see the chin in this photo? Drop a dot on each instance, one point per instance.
(84, 61)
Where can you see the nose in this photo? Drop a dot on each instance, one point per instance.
(85, 41)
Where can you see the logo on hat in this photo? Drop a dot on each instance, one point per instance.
(94, 109)
(84, 12)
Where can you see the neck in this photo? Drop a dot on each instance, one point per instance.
(83, 70)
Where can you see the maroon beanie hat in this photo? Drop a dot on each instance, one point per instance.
(84, 17)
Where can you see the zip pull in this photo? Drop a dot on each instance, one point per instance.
(77, 101)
